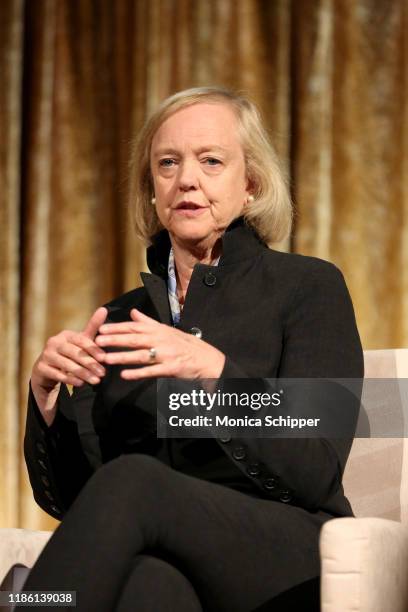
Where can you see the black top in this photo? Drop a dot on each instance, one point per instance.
(273, 315)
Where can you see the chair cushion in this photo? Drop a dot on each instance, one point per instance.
(20, 546)
(376, 475)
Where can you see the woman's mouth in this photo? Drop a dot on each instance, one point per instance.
(190, 208)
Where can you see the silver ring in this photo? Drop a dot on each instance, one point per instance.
(152, 354)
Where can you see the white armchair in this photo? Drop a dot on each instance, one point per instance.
(364, 561)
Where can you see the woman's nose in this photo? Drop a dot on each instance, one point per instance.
(188, 176)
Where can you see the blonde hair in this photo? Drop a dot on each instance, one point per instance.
(270, 214)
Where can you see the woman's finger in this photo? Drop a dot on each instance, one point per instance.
(59, 376)
(159, 370)
(136, 316)
(128, 340)
(82, 357)
(65, 365)
(94, 323)
(89, 346)
(129, 357)
(125, 327)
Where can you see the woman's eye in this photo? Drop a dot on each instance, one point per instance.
(167, 162)
(212, 161)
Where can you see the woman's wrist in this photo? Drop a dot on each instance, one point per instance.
(46, 400)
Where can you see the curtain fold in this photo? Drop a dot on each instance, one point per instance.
(349, 153)
(11, 55)
(77, 80)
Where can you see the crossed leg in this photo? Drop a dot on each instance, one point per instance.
(140, 530)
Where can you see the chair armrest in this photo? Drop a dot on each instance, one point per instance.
(20, 546)
(364, 565)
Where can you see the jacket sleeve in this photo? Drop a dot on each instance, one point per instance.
(320, 340)
(57, 466)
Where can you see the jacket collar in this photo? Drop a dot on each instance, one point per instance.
(239, 242)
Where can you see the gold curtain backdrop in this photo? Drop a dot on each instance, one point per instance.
(77, 79)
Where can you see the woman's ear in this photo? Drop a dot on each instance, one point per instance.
(250, 189)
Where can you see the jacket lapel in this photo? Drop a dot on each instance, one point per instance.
(156, 288)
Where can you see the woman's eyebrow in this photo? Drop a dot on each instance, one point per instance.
(165, 151)
(211, 147)
(201, 149)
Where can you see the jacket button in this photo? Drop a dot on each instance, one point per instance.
(55, 509)
(269, 484)
(45, 481)
(40, 447)
(49, 495)
(210, 279)
(42, 464)
(239, 453)
(253, 469)
(285, 496)
(225, 439)
(196, 331)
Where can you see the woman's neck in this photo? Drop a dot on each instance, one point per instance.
(186, 257)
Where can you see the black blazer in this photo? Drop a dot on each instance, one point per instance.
(273, 314)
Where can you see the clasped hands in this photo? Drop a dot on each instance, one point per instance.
(176, 353)
(74, 358)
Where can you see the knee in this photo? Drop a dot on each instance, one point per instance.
(157, 585)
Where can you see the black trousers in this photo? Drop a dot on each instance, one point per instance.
(142, 537)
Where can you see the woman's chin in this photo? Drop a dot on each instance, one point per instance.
(191, 231)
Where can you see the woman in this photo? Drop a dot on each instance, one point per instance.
(192, 524)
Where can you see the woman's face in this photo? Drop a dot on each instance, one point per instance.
(198, 169)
